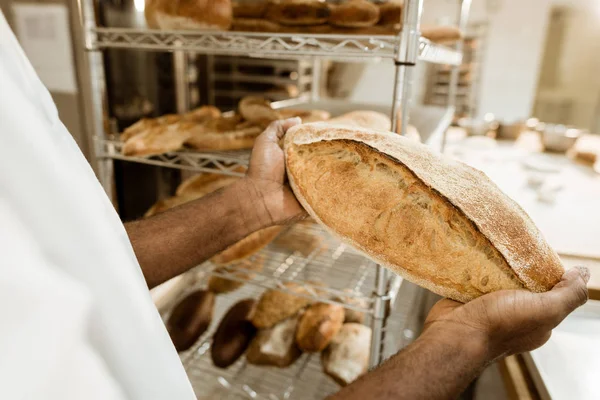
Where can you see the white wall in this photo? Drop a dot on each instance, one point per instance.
(511, 63)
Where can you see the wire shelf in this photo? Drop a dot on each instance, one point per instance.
(225, 162)
(265, 45)
(339, 267)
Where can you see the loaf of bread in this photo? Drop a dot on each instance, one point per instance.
(257, 110)
(275, 305)
(157, 140)
(190, 318)
(145, 124)
(354, 14)
(245, 269)
(275, 346)
(441, 34)
(298, 12)
(318, 325)
(436, 221)
(190, 14)
(249, 8)
(247, 246)
(364, 119)
(390, 13)
(202, 114)
(305, 115)
(347, 356)
(353, 299)
(234, 334)
(254, 25)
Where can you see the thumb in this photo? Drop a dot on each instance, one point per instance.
(568, 294)
(277, 129)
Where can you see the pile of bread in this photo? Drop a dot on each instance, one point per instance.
(206, 129)
(361, 17)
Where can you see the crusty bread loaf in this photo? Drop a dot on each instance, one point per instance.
(190, 318)
(356, 300)
(441, 34)
(390, 13)
(234, 334)
(202, 114)
(257, 110)
(224, 133)
(146, 123)
(298, 12)
(254, 9)
(192, 14)
(247, 246)
(275, 305)
(275, 346)
(318, 325)
(364, 119)
(254, 25)
(157, 140)
(347, 356)
(436, 221)
(244, 269)
(354, 14)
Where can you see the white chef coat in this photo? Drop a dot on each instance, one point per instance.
(76, 317)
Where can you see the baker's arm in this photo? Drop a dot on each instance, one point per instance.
(460, 340)
(174, 241)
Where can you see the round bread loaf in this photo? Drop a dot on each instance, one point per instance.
(298, 12)
(354, 14)
(390, 13)
(249, 8)
(318, 325)
(434, 220)
(276, 305)
(190, 318)
(347, 356)
(234, 334)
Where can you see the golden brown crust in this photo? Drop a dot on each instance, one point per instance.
(249, 9)
(157, 140)
(223, 133)
(150, 14)
(390, 13)
(353, 299)
(247, 246)
(202, 114)
(206, 183)
(275, 346)
(364, 119)
(257, 110)
(441, 34)
(305, 115)
(145, 124)
(354, 14)
(298, 12)
(193, 14)
(254, 25)
(275, 306)
(438, 222)
(318, 325)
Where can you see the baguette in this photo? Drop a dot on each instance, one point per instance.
(437, 222)
(192, 14)
(233, 335)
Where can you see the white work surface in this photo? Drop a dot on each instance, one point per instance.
(566, 203)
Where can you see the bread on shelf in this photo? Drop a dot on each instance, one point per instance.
(247, 246)
(353, 299)
(190, 14)
(254, 9)
(318, 325)
(347, 356)
(354, 14)
(298, 12)
(234, 334)
(435, 221)
(190, 318)
(276, 345)
(390, 14)
(276, 305)
(255, 25)
(364, 119)
(442, 34)
(245, 270)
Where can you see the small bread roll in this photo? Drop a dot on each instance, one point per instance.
(442, 34)
(298, 12)
(193, 14)
(275, 346)
(249, 9)
(275, 306)
(190, 318)
(354, 14)
(234, 334)
(347, 356)
(351, 315)
(318, 325)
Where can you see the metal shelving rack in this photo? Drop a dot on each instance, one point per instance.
(404, 50)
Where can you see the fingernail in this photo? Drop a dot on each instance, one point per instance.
(584, 272)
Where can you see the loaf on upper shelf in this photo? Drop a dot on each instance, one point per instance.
(436, 221)
(189, 14)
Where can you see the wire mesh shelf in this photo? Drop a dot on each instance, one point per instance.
(328, 267)
(265, 45)
(225, 162)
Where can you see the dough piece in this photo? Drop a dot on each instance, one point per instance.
(254, 25)
(220, 285)
(390, 14)
(305, 115)
(347, 356)
(434, 220)
(354, 14)
(193, 14)
(234, 334)
(247, 246)
(318, 325)
(275, 306)
(158, 140)
(298, 12)
(364, 119)
(442, 34)
(275, 346)
(190, 318)
(351, 315)
(249, 9)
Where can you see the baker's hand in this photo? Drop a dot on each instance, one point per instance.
(511, 321)
(266, 175)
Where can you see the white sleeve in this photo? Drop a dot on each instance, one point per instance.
(44, 315)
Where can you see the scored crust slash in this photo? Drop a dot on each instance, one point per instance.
(436, 221)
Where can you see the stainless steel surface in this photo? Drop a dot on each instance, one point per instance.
(180, 78)
(265, 45)
(462, 17)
